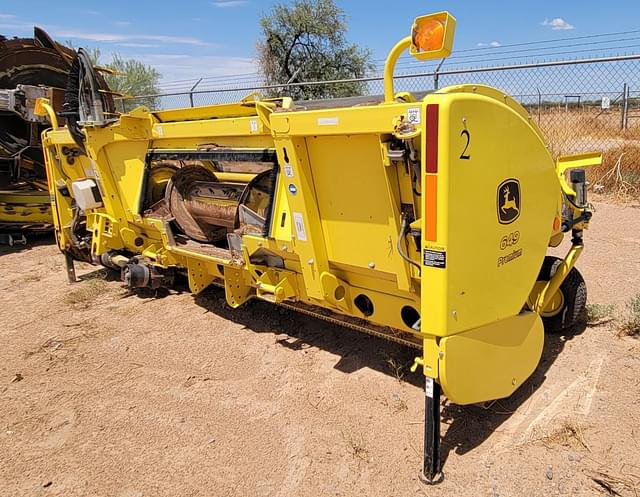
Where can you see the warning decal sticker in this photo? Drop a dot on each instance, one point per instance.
(435, 258)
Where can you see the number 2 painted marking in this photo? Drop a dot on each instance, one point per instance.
(464, 155)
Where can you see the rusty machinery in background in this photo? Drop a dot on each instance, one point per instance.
(30, 68)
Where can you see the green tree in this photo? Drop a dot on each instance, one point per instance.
(133, 78)
(306, 41)
(130, 78)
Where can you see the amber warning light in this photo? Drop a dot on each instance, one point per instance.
(432, 36)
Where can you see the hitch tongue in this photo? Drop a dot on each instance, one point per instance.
(138, 274)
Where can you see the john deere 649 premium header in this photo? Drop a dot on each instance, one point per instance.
(426, 222)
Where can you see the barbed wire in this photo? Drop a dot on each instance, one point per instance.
(468, 56)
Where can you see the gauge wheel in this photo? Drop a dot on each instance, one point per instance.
(568, 305)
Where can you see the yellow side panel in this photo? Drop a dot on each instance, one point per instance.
(208, 129)
(206, 112)
(126, 168)
(484, 145)
(353, 200)
(492, 361)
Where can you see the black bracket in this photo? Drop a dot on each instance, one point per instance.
(432, 470)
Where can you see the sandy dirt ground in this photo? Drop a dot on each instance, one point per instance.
(105, 393)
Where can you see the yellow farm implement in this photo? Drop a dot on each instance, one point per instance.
(426, 222)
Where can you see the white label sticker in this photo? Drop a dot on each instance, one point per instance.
(413, 115)
(298, 221)
(253, 125)
(288, 171)
(159, 130)
(428, 388)
(94, 168)
(328, 121)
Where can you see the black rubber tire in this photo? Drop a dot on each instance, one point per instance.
(574, 290)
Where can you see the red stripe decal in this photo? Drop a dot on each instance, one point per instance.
(432, 138)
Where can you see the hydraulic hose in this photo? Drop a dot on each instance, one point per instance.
(404, 227)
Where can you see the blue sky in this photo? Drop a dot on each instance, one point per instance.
(192, 38)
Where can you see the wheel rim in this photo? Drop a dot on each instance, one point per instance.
(554, 307)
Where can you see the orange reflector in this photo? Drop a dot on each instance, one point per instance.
(556, 224)
(428, 36)
(431, 207)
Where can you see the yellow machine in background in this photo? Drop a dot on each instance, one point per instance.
(424, 222)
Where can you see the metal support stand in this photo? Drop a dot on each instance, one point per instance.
(431, 462)
(12, 239)
(71, 270)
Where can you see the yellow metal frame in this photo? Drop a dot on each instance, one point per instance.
(340, 204)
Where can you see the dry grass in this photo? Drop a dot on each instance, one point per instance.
(396, 367)
(356, 445)
(600, 313)
(630, 321)
(578, 131)
(400, 405)
(623, 182)
(92, 286)
(567, 433)
(614, 484)
(31, 277)
(54, 344)
(86, 292)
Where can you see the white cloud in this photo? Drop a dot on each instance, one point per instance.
(173, 39)
(122, 24)
(13, 25)
(17, 26)
(116, 37)
(182, 66)
(557, 24)
(493, 44)
(107, 37)
(137, 45)
(229, 3)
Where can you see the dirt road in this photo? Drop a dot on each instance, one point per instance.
(104, 393)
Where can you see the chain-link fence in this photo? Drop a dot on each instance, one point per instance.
(580, 105)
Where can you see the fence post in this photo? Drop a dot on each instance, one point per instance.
(436, 76)
(624, 107)
(539, 104)
(627, 104)
(191, 91)
(285, 88)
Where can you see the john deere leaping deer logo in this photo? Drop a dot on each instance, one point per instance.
(508, 202)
